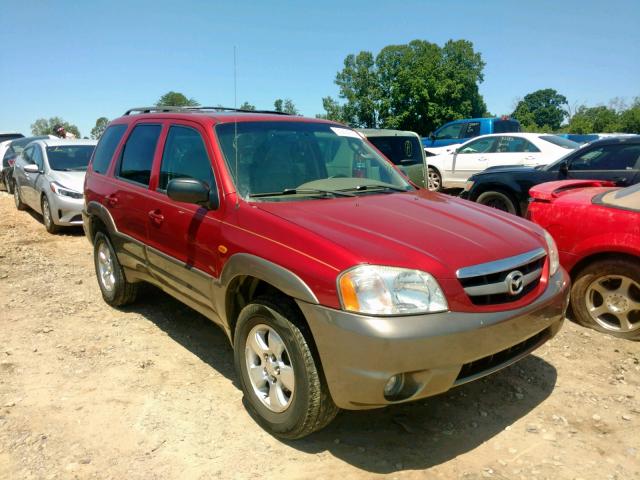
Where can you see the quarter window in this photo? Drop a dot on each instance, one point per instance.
(185, 156)
(106, 147)
(137, 155)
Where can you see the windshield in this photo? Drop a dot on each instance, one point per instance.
(625, 198)
(560, 142)
(555, 165)
(69, 157)
(303, 159)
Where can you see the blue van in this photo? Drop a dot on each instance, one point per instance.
(460, 131)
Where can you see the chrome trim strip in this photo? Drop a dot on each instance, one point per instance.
(501, 287)
(510, 263)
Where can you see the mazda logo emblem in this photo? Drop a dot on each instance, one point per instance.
(515, 282)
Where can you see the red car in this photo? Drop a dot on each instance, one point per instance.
(597, 230)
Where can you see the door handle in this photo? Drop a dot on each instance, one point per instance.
(482, 159)
(111, 200)
(156, 217)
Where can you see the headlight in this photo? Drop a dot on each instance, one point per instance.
(381, 290)
(65, 192)
(554, 258)
(468, 184)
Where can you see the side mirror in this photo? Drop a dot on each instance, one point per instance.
(564, 169)
(31, 168)
(432, 137)
(190, 190)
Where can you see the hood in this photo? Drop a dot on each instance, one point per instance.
(423, 230)
(509, 169)
(70, 180)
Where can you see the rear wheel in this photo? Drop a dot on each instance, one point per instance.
(434, 179)
(282, 384)
(605, 296)
(17, 199)
(47, 216)
(499, 201)
(115, 288)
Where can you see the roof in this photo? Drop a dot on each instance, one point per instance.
(385, 132)
(26, 140)
(56, 142)
(224, 117)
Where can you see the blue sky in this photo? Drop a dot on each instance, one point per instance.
(82, 60)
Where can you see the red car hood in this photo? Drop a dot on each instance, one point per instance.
(423, 230)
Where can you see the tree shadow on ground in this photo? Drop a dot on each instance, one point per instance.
(412, 436)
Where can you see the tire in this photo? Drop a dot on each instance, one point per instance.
(20, 205)
(605, 296)
(302, 403)
(115, 288)
(47, 218)
(7, 184)
(499, 201)
(434, 179)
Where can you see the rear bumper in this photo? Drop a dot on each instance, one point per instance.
(434, 352)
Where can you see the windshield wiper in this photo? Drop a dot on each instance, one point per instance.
(302, 191)
(378, 186)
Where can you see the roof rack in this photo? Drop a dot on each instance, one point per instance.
(159, 109)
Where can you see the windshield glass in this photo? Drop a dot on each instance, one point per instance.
(303, 158)
(69, 157)
(625, 198)
(560, 142)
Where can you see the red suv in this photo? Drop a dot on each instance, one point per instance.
(338, 282)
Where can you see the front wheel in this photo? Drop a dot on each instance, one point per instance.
(47, 217)
(605, 296)
(283, 387)
(434, 179)
(20, 205)
(499, 201)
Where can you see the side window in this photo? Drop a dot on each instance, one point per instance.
(483, 145)
(27, 154)
(450, 131)
(106, 146)
(608, 157)
(473, 130)
(37, 157)
(185, 156)
(137, 155)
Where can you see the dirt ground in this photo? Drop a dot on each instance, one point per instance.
(149, 392)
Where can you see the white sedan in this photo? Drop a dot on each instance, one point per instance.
(451, 169)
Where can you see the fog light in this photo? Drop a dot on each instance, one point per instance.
(394, 385)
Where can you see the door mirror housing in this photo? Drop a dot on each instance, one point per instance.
(432, 136)
(564, 169)
(190, 190)
(31, 168)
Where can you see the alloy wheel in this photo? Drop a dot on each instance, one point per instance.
(106, 267)
(613, 301)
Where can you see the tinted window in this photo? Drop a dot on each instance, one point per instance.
(505, 126)
(9, 136)
(450, 131)
(482, 145)
(69, 157)
(37, 156)
(473, 130)
(137, 155)
(106, 146)
(560, 142)
(400, 150)
(608, 157)
(184, 156)
(27, 154)
(515, 145)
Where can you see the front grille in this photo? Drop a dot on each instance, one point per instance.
(491, 363)
(492, 283)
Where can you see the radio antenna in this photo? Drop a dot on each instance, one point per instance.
(235, 123)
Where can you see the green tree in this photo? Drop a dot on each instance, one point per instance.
(247, 106)
(630, 118)
(544, 107)
(333, 110)
(417, 86)
(599, 119)
(285, 106)
(98, 130)
(176, 99)
(44, 126)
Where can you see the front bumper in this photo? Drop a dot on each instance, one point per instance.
(66, 211)
(434, 352)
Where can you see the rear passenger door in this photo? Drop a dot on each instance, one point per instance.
(184, 237)
(514, 151)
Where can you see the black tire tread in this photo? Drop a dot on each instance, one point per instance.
(21, 205)
(514, 203)
(53, 228)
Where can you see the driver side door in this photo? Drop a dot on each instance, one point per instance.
(618, 163)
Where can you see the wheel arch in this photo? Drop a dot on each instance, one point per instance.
(98, 219)
(600, 256)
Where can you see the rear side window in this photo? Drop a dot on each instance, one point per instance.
(451, 131)
(473, 130)
(185, 156)
(400, 150)
(137, 155)
(106, 146)
(515, 145)
(506, 126)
